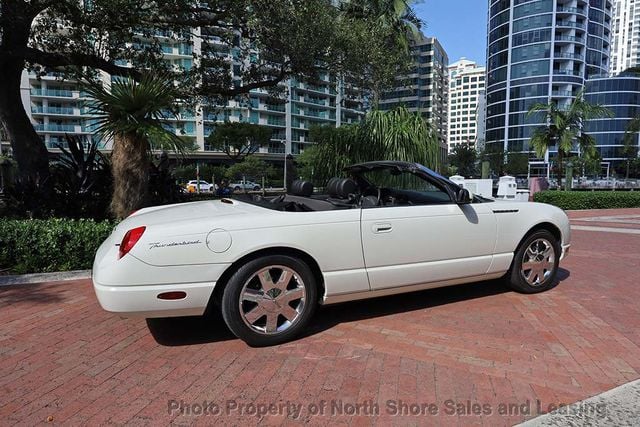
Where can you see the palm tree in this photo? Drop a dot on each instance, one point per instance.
(630, 148)
(394, 15)
(130, 113)
(564, 127)
(383, 135)
(399, 135)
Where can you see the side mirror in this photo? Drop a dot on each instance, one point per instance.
(463, 196)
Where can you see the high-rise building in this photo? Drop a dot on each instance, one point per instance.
(621, 95)
(540, 51)
(466, 93)
(425, 89)
(625, 40)
(57, 107)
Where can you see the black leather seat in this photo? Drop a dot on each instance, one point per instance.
(344, 188)
(301, 188)
(342, 191)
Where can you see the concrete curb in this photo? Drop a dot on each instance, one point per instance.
(25, 279)
(616, 407)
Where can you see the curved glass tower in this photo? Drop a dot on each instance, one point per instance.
(539, 51)
(621, 94)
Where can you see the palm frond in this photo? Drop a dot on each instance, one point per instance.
(135, 108)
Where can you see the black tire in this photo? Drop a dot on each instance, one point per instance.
(237, 188)
(244, 282)
(256, 188)
(543, 274)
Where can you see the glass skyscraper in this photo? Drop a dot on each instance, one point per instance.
(621, 95)
(540, 51)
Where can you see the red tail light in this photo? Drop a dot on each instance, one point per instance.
(129, 240)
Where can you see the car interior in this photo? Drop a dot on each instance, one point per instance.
(346, 193)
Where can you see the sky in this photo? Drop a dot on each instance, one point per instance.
(459, 25)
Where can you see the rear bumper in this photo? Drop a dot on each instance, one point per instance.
(142, 301)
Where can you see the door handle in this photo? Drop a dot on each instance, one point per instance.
(382, 227)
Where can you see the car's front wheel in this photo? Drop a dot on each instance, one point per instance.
(269, 300)
(535, 265)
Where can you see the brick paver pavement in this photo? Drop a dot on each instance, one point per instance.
(463, 350)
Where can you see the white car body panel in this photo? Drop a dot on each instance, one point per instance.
(189, 247)
(425, 240)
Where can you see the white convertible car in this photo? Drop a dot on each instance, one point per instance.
(266, 263)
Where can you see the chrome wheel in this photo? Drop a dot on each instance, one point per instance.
(272, 300)
(538, 262)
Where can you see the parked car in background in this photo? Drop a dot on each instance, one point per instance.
(192, 186)
(247, 186)
(267, 262)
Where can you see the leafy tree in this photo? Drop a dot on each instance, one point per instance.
(564, 128)
(252, 168)
(382, 135)
(395, 26)
(335, 149)
(494, 154)
(239, 140)
(130, 112)
(122, 37)
(517, 163)
(464, 158)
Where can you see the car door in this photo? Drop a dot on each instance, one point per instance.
(432, 241)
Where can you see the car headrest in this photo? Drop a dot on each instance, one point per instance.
(301, 188)
(341, 188)
(331, 185)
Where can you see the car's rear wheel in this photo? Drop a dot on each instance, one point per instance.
(535, 265)
(256, 188)
(269, 300)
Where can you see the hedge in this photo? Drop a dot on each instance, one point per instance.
(38, 246)
(576, 200)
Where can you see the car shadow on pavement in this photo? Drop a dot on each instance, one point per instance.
(182, 331)
(329, 316)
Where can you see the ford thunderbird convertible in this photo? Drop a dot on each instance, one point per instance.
(267, 262)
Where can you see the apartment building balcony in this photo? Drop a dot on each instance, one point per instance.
(564, 39)
(62, 128)
(273, 121)
(54, 93)
(313, 101)
(55, 111)
(571, 24)
(562, 93)
(568, 55)
(567, 73)
(567, 10)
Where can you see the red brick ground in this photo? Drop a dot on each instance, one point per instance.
(61, 356)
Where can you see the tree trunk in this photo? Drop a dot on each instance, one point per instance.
(627, 175)
(28, 149)
(130, 167)
(560, 170)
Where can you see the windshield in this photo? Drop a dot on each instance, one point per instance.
(405, 182)
(432, 173)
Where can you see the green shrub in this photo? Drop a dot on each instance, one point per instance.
(38, 246)
(575, 200)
